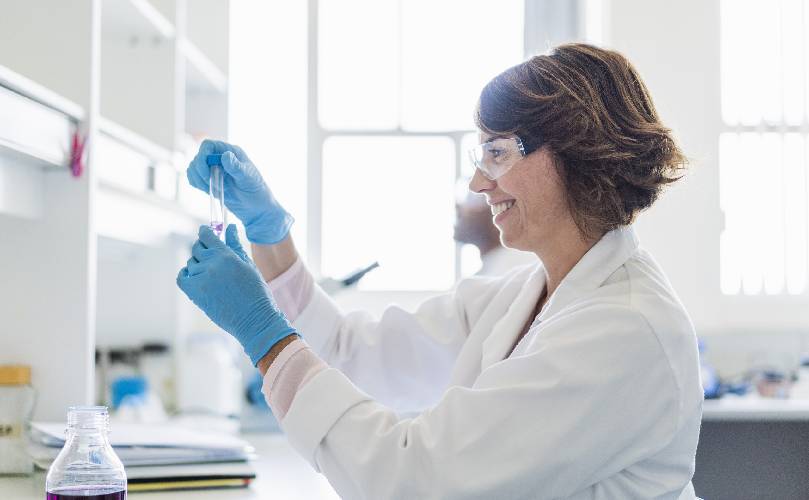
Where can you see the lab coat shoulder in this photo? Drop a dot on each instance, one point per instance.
(640, 287)
(638, 293)
(655, 298)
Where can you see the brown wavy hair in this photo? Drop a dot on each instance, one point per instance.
(589, 106)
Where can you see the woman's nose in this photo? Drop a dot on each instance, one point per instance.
(480, 184)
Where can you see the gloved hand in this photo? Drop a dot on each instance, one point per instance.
(246, 194)
(222, 281)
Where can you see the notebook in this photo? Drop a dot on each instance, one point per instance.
(148, 444)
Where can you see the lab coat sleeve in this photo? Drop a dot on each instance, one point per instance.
(292, 289)
(594, 394)
(402, 359)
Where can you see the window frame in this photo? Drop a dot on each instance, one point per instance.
(545, 24)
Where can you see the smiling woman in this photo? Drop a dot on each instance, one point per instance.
(574, 378)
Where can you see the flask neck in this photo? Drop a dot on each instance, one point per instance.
(87, 437)
(88, 425)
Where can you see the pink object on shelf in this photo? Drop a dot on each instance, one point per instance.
(77, 154)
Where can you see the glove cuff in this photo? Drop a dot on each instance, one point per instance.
(274, 328)
(269, 229)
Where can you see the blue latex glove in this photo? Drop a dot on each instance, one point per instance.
(246, 194)
(222, 281)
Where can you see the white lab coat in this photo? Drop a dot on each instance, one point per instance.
(600, 400)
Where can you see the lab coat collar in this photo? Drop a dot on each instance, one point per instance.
(604, 258)
(504, 332)
(611, 252)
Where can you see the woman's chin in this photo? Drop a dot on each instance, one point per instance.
(508, 240)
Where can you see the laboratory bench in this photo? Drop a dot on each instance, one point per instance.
(752, 448)
(749, 449)
(755, 410)
(281, 474)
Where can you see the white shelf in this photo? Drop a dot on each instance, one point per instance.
(38, 125)
(134, 140)
(40, 94)
(128, 189)
(130, 20)
(141, 218)
(202, 74)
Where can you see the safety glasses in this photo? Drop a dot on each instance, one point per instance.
(496, 156)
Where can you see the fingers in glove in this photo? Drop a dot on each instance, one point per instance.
(232, 241)
(209, 239)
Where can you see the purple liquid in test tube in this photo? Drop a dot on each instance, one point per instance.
(217, 195)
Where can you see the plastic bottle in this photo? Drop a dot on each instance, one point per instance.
(210, 383)
(16, 405)
(134, 401)
(710, 380)
(157, 366)
(87, 468)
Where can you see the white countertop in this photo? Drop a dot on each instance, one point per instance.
(755, 410)
(281, 474)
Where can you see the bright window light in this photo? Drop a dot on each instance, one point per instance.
(389, 199)
(358, 64)
(267, 98)
(762, 151)
(796, 208)
(450, 50)
(730, 190)
(792, 47)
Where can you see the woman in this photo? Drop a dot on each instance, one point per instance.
(574, 379)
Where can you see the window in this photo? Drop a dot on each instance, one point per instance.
(267, 114)
(395, 87)
(390, 199)
(763, 147)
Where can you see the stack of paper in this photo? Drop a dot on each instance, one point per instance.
(162, 456)
(190, 476)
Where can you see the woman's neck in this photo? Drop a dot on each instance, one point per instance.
(561, 253)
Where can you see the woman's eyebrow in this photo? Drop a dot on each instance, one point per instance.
(492, 139)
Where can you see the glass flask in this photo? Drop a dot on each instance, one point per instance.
(87, 468)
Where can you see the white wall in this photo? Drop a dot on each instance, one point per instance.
(135, 294)
(47, 312)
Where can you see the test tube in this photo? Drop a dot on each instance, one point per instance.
(216, 191)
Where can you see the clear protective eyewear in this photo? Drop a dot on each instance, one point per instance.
(496, 156)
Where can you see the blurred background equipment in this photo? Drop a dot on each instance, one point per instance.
(17, 399)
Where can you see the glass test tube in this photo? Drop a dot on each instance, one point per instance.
(217, 195)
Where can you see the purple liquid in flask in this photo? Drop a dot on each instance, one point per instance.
(86, 494)
(217, 227)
